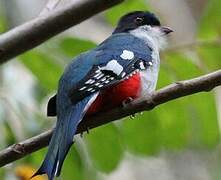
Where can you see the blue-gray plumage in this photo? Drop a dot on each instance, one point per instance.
(121, 63)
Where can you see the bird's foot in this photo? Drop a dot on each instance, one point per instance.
(127, 101)
(82, 133)
(132, 116)
(87, 130)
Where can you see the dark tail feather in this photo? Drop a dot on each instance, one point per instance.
(62, 139)
(47, 168)
(50, 162)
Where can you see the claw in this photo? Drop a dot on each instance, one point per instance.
(82, 133)
(87, 130)
(132, 116)
(127, 101)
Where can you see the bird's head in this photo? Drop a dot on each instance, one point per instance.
(143, 23)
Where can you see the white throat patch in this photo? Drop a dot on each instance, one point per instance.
(152, 35)
(156, 40)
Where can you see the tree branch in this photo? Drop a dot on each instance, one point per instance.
(51, 5)
(194, 44)
(35, 32)
(171, 92)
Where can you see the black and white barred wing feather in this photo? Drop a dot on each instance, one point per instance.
(107, 74)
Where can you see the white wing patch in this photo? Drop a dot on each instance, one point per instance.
(113, 66)
(142, 65)
(90, 81)
(127, 55)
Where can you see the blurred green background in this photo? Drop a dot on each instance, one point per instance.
(179, 140)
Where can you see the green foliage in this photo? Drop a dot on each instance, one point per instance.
(113, 14)
(211, 55)
(73, 47)
(105, 147)
(73, 164)
(210, 29)
(203, 119)
(46, 68)
(2, 172)
(43, 67)
(181, 66)
(189, 121)
(173, 126)
(144, 128)
(2, 24)
(210, 26)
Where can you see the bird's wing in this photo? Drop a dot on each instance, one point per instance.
(114, 60)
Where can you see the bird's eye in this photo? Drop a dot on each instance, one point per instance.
(138, 20)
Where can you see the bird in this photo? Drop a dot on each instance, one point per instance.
(120, 70)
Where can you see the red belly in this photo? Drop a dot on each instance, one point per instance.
(115, 95)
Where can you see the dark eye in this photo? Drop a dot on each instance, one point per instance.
(139, 20)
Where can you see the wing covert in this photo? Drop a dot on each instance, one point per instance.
(116, 66)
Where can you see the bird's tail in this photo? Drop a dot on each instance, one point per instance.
(62, 139)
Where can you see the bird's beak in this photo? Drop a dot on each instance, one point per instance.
(166, 30)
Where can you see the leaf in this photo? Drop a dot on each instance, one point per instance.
(34, 159)
(203, 117)
(105, 147)
(173, 127)
(2, 173)
(113, 14)
(188, 121)
(165, 76)
(44, 68)
(2, 24)
(183, 121)
(141, 135)
(73, 166)
(211, 55)
(176, 66)
(167, 126)
(73, 47)
(181, 66)
(210, 25)
(173, 124)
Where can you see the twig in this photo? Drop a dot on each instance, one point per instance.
(171, 92)
(35, 32)
(51, 5)
(195, 44)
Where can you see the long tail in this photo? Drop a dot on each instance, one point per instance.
(62, 139)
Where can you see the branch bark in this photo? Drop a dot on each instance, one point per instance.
(35, 32)
(194, 44)
(51, 5)
(171, 92)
